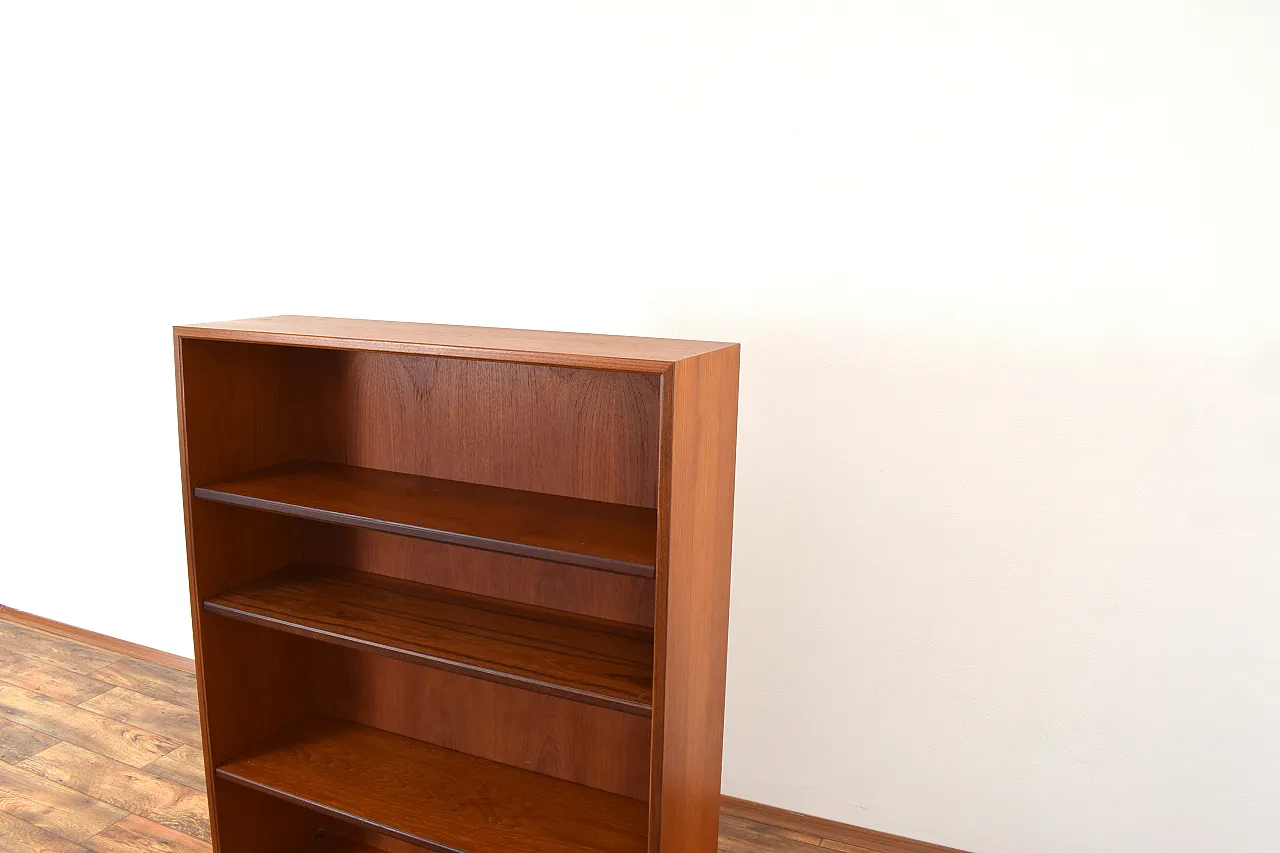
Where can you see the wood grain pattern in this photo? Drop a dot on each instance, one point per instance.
(136, 791)
(602, 663)
(185, 765)
(18, 742)
(604, 352)
(136, 834)
(593, 534)
(52, 681)
(738, 835)
(440, 799)
(604, 595)
(128, 744)
(18, 836)
(60, 652)
(576, 433)
(696, 485)
(844, 847)
(834, 835)
(48, 805)
(177, 687)
(556, 737)
(146, 712)
(96, 641)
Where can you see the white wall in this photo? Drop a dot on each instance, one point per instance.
(1006, 279)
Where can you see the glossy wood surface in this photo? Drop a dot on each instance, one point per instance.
(603, 663)
(434, 797)
(593, 534)
(604, 352)
(638, 429)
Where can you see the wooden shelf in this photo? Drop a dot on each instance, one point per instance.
(434, 797)
(548, 651)
(594, 534)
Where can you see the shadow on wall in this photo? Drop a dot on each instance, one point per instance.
(1021, 579)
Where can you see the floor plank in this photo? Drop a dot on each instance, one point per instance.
(167, 803)
(149, 679)
(18, 836)
(149, 713)
(138, 835)
(47, 679)
(843, 847)
(52, 807)
(108, 737)
(19, 742)
(58, 651)
(739, 835)
(185, 765)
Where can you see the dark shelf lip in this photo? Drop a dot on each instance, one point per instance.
(270, 768)
(221, 493)
(298, 627)
(550, 688)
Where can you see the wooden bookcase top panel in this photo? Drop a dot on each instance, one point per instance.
(575, 657)
(435, 797)
(568, 349)
(593, 534)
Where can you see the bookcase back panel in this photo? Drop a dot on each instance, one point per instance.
(622, 598)
(258, 823)
(581, 433)
(569, 740)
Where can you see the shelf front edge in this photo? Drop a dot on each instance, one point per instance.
(549, 688)
(479, 543)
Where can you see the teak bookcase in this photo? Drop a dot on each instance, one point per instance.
(458, 589)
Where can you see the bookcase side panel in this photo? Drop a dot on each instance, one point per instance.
(235, 408)
(692, 601)
(257, 823)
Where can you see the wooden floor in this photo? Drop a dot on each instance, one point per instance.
(100, 751)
